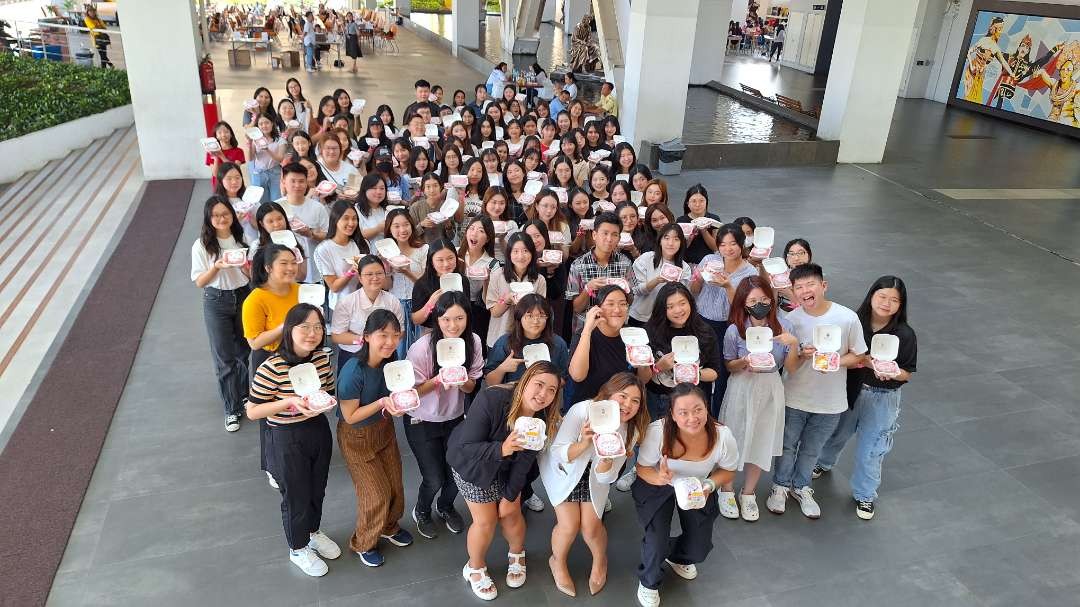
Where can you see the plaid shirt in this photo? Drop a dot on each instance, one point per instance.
(586, 268)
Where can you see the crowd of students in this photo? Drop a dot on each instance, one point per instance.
(358, 241)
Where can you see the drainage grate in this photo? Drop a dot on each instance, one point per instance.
(970, 136)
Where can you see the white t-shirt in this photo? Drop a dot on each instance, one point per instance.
(725, 453)
(813, 391)
(341, 175)
(251, 231)
(227, 279)
(644, 271)
(377, 218)
(315, 216)
(402, 287)
(330, 260)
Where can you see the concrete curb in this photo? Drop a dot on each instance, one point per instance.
(34, 150)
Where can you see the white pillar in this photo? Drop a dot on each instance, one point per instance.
(868, 59)
(466, 25)
(404, 7)
(549, 11)
(163, 75)
(659, 46)
(710, 41)
(509, 24)
(575, 10)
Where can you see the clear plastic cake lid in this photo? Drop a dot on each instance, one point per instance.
(533, 188)
(451, 282)
(763, 237)
(827, 338)
(253, 134)
(884, 347)
(305, 379)
(284, 238)
(636, 197)
(618, 139)
(450, 352)
(431, 131)
(312, 294)
(685, 348)
(534, 353)
(252, 194)
(522, 288)
(634, 336)
(604, 416)
(211, 144)
(759, 339)
(387, 248)
(399, 375)
(774, 265)
(449, 207)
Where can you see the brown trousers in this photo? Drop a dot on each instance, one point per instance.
(374, 463)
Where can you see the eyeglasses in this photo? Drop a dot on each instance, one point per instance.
(221, 216)
(373, 275)
(753, 302)
(619, 305)
(536, 317)
(311, 328)
(798, 254)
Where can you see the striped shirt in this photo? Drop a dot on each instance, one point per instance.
(586, 268)
(271, 383)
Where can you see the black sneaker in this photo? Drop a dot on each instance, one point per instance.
(424, 525)
(864, 510)
(818, 471)
(453, 520)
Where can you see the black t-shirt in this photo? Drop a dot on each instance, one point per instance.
(607, 356)
(422, 290)
(412, 107)
(697, 249)
(905, 359)
(711, 354)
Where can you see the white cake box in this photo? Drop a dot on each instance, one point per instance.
(355, 155)
(621, 283)
(501, 227)
(292, 124)
(520, 97)
(533, 432)
(357, 106)
(670, 272)
(533, 186)
(312, 294)
(431, 131)
(297, 224)
(759, 344)
(284, 238)
(487, 145)
(605, 419)
(618, 139)
(561, 193)
(372, 141)
(884, 349)
(210, 144)
(689, 494)
(623, 177)
(553, 149)
(534, 353)
(599, 155)
(625, 240)
(687, 229)
(401, 381)
(763, 242)
(586, 224)
(326, 187)
(451, 282)
(704, 223)
(638, 352)
(779, 274)
(641, 212)
(393, 195)
(605, 205)
(307, 385)
(636, 197)
(251, 104)
(514, 148)
(391, 252)
(557, 237)
(534, 176)
(446, 211)
(436, 120)
(234, 257)
(494, 179)
(420, 141)
(459, 181)
(827, 342)
(551, 256)
(687, 354)
(499, 132)
(477, 271)
(710, 269)
(519, 289)
(252, 194)
(450, 353)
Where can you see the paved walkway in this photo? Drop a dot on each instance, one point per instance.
(980, 498)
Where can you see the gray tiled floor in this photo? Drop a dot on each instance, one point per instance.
(979, 502)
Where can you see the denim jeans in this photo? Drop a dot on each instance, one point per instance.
(269, 180)
(873, 421)
(804, 435)
(229, 349)
(309, 56)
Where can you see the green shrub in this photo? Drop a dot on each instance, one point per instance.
(38, 94)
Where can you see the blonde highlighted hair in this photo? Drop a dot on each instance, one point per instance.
(553, 411)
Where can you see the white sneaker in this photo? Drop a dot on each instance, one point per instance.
(270, 479)
(748, 507)
(777, 500)
(729, 508)
(686, 572)
(626, 481)
(647, 597)
(308, 562)
(534, 503)
(805, 497)
(325, 546)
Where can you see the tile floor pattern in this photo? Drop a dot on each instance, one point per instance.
(980, 494)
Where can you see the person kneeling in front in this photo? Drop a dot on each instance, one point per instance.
(683, 459)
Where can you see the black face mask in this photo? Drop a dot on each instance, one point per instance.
(384, 167)
(759, 310)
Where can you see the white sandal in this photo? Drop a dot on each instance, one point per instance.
(481, 586)
(515, 570)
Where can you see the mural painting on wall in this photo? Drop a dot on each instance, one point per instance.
(1023, 64)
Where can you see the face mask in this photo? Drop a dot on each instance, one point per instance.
(759, 310)
(384, 167)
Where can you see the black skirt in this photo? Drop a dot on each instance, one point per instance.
(352, 47)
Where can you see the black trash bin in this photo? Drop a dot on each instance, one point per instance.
(671, 157)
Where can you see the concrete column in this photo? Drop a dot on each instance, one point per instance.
(404, 7)
(659, 45)
(710, 41)
(867, 66)
(163, 75)
(549, 10)
(372, 4)
(575, 10)
(466, 25)
(509, 24)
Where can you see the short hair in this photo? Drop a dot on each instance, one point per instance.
(480, 87)
(293, 167)
(807, 270)
(607, 217)
(421, 83)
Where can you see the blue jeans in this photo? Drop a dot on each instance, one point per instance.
(309, 56)
(228, 347)
(269, 180)
(804, 435)
(410, 332)
(873, 420)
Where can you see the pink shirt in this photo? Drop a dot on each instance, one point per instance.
(441, 404)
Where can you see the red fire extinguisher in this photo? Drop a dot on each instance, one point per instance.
(206, 75)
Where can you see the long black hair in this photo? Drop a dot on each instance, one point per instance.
(515, 340)
(445, 302)
(297, 315)
(695, 189)
(508, 267)
(337, 211)
(208, 235)
(264, 236)
(866, 314)
(658, 326)
(379, 319)
(428, 277)
(363, 204)
(262, 261)
(658, 256)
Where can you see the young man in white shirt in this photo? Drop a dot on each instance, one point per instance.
(815, 398)
(308, 218)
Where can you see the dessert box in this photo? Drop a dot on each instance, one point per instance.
(689, 494)
(445, 212)
(604, 419)
(763, 242)
(520, 289)
(626, 240)
(884, 349)
(284, 238)
(779, 274)
(638, 351)
(477, 271)
(210, 144)
(605, 205)
(586, 224)
(623, 177)
(401, 381)
(561, 193)
(306, 384)
(235, 257)
(687, 354)
(619, 282)
(312, 294)
(598, 155)
(704, 223)
(450, 353)
(357, 106)
(551, 256)
(494, 179)
(533, 432)
(670, 272)
(372, 141)
(431, 131)
(252, 195)
(687, 229)
(451, 282)
(636, 197)
(759, 344)
(459, 181)
(389, 250)
(827, 342)
(326, 187)
(557, 237)
(534, 353)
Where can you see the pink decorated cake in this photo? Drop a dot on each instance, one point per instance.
(609, 444)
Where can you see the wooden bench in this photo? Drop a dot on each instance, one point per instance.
(794, 104)
(749, 90)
